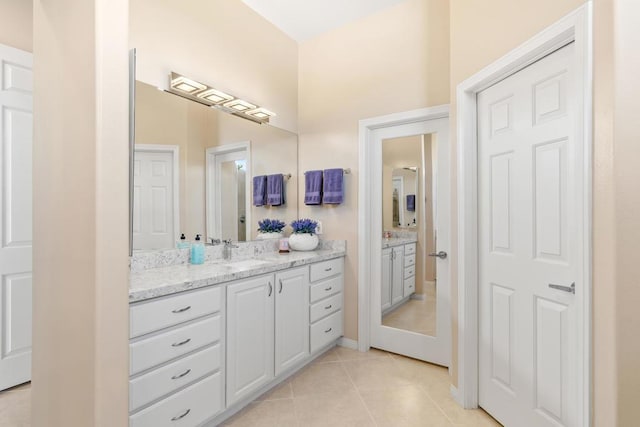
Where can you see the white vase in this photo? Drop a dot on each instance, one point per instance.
(266, 236)
(303, 241)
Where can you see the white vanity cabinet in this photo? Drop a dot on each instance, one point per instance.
(250, 344)
(386, 279)
(409, 270)
(326, 299)
(176, 352)
(398, 275)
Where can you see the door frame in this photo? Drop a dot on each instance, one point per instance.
(175, 153)
(212, 198)
(368, 251)
(575, 27)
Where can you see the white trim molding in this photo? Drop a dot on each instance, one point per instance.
(348, 343)
(175, 153)
(367, 205)
(575, 27)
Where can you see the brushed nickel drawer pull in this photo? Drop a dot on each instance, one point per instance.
(181, 416)
(280, 291)
(185, 373)
(328, 307)
(329, 288)
(181, 310)
(328, 330)
(270, 288)
(178, 344)
(328, 269)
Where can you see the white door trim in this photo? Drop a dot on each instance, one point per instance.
(210, 196)
(575, 27)
(365, 207)
(175, 154)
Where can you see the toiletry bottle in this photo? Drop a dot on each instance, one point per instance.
(197, 251)
(183, 243)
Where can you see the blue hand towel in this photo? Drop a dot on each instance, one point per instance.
(259, 190)
(333, 188)
(275, 189)
(411, 202)
(313, 187)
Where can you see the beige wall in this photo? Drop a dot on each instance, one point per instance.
(80, 252)
(220, 42)
(16, 24)
(395, 60)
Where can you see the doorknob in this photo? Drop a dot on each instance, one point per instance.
(441, 254)
(571, 289)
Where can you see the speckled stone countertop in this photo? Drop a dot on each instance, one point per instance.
(397, 241)
(156, 282)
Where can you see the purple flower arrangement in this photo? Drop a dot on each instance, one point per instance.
(271, 226)
(304, 226)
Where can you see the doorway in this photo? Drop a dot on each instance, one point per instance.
(406, 311)
(525, 202)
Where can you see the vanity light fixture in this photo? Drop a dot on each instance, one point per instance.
(260, 113)
(186, 85)
(239, 105)
(215, 96)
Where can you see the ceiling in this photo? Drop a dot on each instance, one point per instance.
(304, 19)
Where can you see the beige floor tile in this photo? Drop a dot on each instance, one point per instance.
(464, 417)
(332, 409)
(15, 407)
(424, 373)
(403, 406)
(328, 356)
(318, 378)
(345, 354)
(378, 373)
(282, 391)
(270, 413)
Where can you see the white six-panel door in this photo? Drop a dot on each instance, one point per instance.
(530, 222)
(155, 197)
(16, 131)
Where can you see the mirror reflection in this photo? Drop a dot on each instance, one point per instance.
(408, 294)
(193, 170)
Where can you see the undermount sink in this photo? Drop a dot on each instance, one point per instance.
(247, 263)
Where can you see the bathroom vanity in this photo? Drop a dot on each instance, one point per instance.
(207, 340)
(398, 272)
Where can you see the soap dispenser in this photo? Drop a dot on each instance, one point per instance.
(183, 243)
(197, 251)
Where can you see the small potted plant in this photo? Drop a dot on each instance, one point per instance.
(270, 229)
(304, 237)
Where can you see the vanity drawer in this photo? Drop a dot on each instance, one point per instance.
(165, 312)
(187, 408)
(162, 381)
(161, 348)
(410, 271)
(409, 260)
(325, 269)
(409, 286)
(327, 306)
(326, 330)
(325, 288)
(410, 249)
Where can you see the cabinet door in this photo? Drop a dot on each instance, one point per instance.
(385, 296)
(292, 318)
(250, 305)
(397, 274)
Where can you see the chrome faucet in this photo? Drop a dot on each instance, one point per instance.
(214, 242)
(228, 246)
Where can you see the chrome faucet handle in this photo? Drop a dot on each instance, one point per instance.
(215, 242)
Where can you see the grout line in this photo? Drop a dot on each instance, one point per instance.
(360, 396)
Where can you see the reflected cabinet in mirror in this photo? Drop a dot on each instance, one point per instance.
(409, 277)
(193, 170)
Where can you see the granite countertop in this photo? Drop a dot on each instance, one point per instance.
(169, 280)
(397, 241)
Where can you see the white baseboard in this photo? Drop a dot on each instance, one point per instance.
(420, 297)
(454, 393)
(348, 343)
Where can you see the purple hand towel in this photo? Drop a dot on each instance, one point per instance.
(313, 187)
(259, 190)
(275, 189)
(333, 188)
(411, 202)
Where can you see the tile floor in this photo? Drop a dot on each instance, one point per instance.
(341, 388)
(348, 388)
(416, 315)
(15, 406)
